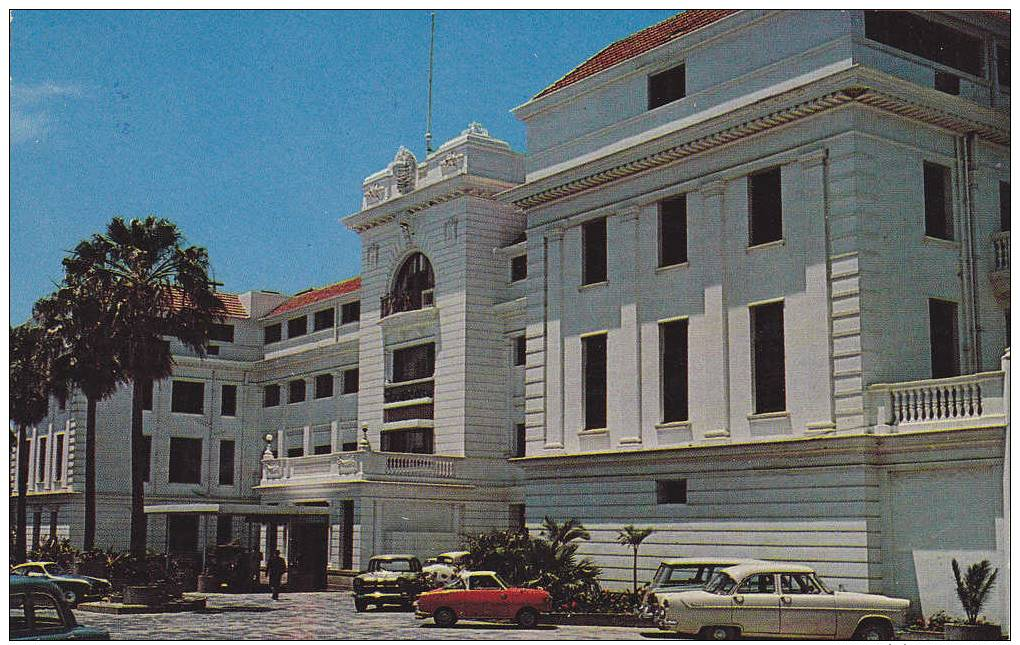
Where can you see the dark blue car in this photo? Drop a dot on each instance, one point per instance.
(39, 613)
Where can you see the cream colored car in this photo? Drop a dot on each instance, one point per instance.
(777, 600)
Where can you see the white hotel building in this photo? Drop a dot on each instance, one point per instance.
(749, 286)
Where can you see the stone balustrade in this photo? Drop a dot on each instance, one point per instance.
(1000, 250)
(359, 466)
(972, 400)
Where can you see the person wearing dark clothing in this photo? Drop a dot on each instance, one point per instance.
(275, 568)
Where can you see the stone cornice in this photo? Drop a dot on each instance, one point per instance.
(861, 87)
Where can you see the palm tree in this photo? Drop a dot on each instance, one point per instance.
(972, 588)
(560, 535)
(29, 403)
(158, 290)
(633, 537)
(78, 324)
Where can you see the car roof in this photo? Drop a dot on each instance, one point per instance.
(741, 571)
(25, 583)
(673, 562)
(465, 574)
(454, 554)
(395, 556)
(38, 562)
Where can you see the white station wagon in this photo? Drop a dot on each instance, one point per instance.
(777, 600)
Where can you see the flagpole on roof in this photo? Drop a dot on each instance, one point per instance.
(432, 48)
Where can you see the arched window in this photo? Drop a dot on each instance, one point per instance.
(412, 287)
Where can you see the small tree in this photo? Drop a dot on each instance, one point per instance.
(973, 588)
(633, 537)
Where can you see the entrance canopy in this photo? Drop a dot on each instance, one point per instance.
(257, 512)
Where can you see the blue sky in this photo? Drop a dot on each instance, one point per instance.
(253, 130)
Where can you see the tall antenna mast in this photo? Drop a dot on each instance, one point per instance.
(432, 49)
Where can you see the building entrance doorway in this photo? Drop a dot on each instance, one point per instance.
(307, 555)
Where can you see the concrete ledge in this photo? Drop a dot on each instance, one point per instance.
(106, 607)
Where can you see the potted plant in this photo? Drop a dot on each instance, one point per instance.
(973, 589)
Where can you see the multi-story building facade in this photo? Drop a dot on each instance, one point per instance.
(748, 287)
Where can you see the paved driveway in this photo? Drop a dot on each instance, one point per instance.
(322, 615)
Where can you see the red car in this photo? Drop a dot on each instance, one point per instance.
(482, 595)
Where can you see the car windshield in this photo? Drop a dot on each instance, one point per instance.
(721, 583)
(56, 570)
(399, 566)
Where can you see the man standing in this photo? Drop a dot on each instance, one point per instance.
(275, 568)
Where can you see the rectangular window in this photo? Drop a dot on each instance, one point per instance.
(224, 529)
(415, 440)
(517, 518)
(1002, 64)
(297, 327)
(520, 349)
(1003, 206)
(227, 462)
(181, 533)
(673, 370)
(945, 346)
(271, 396)
(222, 333)
(928, 39)
(147, 451)
(40, 464)
(938, 216)
(593, 239)
(350, 312)
(228, 401)
(765, 204)
(185, 461)
(212, 350)
(323, 386)
(296, 391)
(593, 349)
(351, 381)
(518, 268)
(59, 457)
(324, 319)
(666, 87)
(271, 334)
(671, 491)
(411, 363)
(147, 394)
(296, 451)
(520, 440)
(349, 446)
(948, 83)
(323, 449)
(673, 231)
(188, 397)
(769, 358)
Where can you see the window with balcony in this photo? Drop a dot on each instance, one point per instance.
(768, 358)
(945, 346)
(765, 206)
(228, 401)
(271, 396)
(673, 231)
(413, 363)
(323, 386)
(271, 334)
(518, 268)
(226, 462)
(185, 460)
(323, 319)
(593, 242)
(350, 312)
(673, 370)
(666, 87)
(350, 381)
(187, 397)
(296, 391)
(416, 440)
(926, 38)
(412, 288)
(938, 214)
(1003, 206)
(593, 357)
(222, 333)
(297, 326)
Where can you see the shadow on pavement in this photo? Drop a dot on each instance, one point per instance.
(493, 626)
(238, 609)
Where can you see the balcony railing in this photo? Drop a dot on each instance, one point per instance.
(409, 390)
(1000, 250)
(359, 466)
(398, 302)
(947, 403)
(408, 412)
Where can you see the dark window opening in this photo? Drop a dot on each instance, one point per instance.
(671, 491)
(766, 206)
(673, 231)
(272, 333)
(412, 289)
(322, 449)
(769, 356)
(182, 533)
(518, 268)
(1002, 64)
(594, 359)
(412, 363)
(147, 394)
(416, 440)
(351, 381)
(666, 87)
(673, 368)
(228, 401)
(222, 333)
(948, 83)
(517, 518)
(187, 397)
(185, 461)
(147, 461)
(520, 349)
(226, 462)
(323, 386)
(593, 240)
(926, 38)
(297, 327)
(349, 446)
(1003, 206)
(296, 451)
(350, 312)
(938, 217)
(212, 350)
(296, 391)
(224, 529)
(59, 457)
(520, 440)
(271, 396)
(945, 346)
(40, 470)
(323, 319)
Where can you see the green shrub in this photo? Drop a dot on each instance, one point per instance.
(973, 587)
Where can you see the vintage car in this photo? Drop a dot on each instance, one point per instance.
(682, 574)
(76, 588)
(39, 612)
(482, 595)
(389, 580)
(442, 568)
(777, 600)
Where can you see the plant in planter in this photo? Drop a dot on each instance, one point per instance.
(972, 589)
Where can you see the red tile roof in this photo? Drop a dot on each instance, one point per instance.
(639, 43)
(317, 295)
(231, 303)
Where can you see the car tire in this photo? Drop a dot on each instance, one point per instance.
(527, 618)
(71, 596)
(719, 633)
(407, 605)
(360, 605)
(444, 617)
(874, 630)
